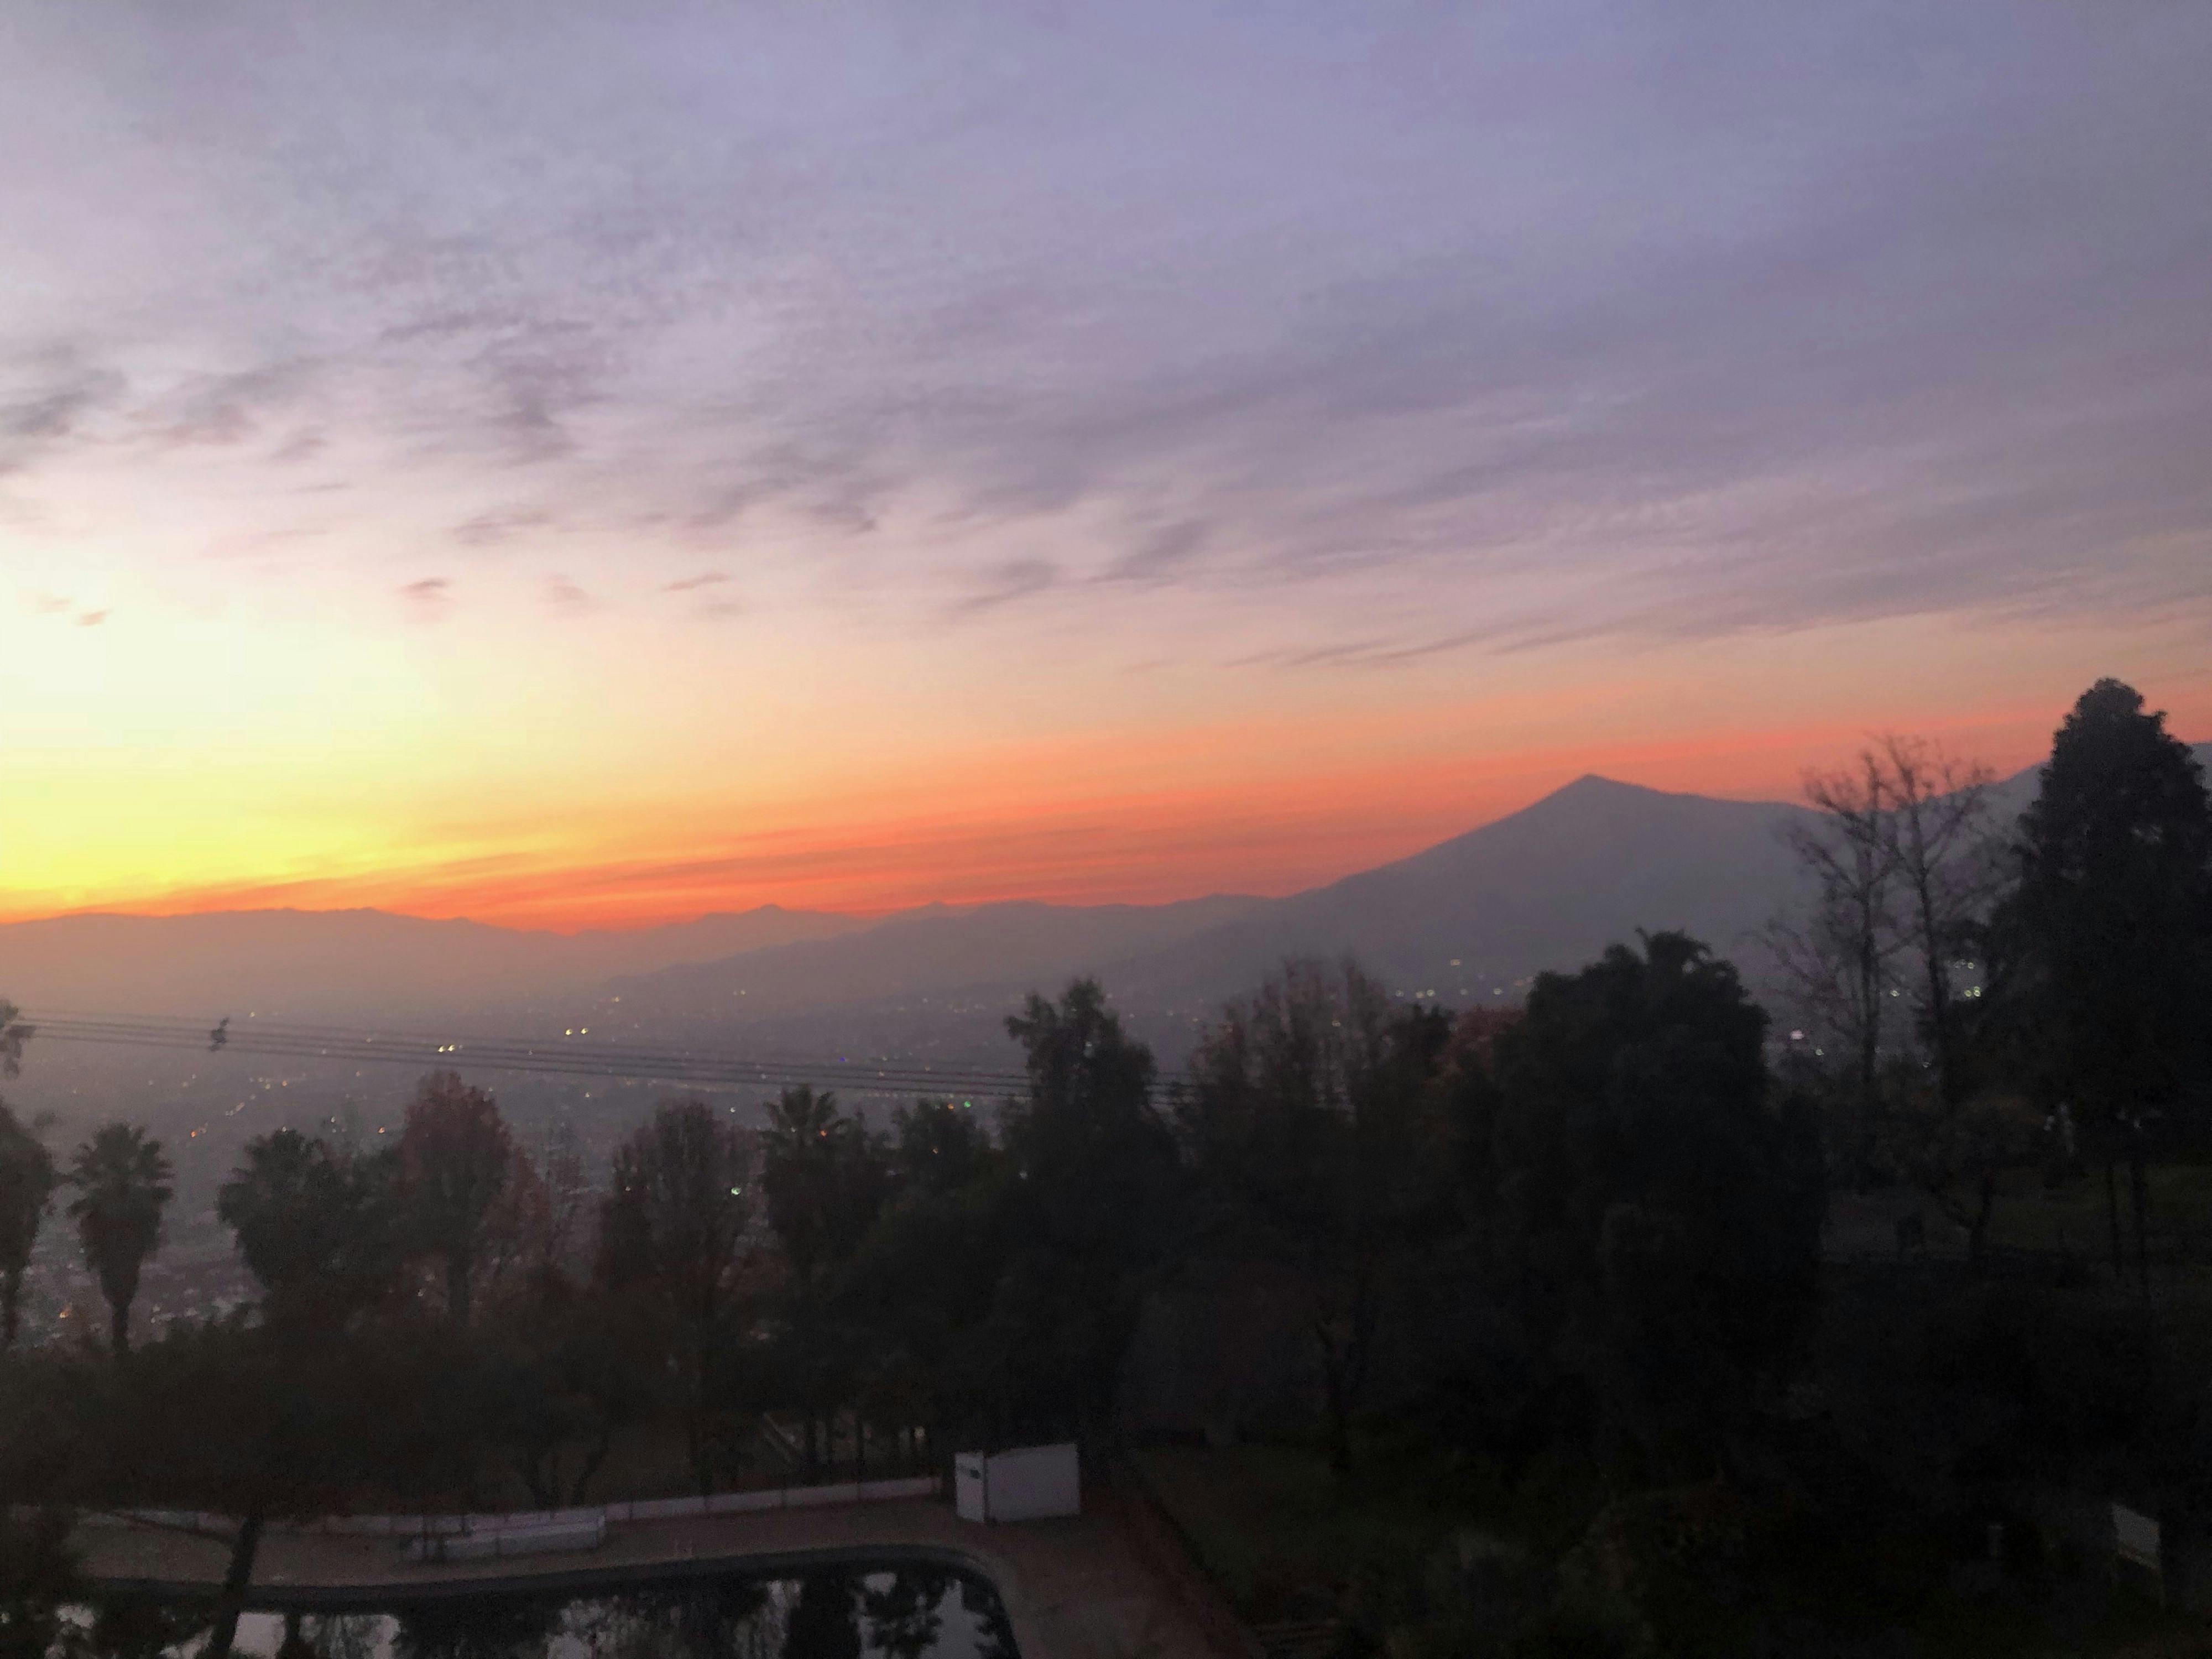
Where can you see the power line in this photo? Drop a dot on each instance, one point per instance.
(577, 1056)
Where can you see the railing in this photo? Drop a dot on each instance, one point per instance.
(649, 1509)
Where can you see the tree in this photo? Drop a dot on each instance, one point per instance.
(824, 1179)
(2110, 922)
(28, 1179)
(455, 1160)
(937, 1146)
(1935, 832)
(825, 1184)
(122, 1179)
(567, 1190)
(1308, 1119)
(673, 1227)
(564, 1372)
(39, 1579)
(1660, 1215)
(1094, 1168)
(320, 1230)
(15, 1032)
(924, 1285)
(244, 1422)
(1836, 960)
(48, 1448)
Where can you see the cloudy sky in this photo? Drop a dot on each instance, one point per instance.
(585, 463)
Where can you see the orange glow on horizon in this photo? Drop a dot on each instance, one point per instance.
(1268, 836)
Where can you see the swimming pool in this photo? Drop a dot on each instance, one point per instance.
(901, 1610)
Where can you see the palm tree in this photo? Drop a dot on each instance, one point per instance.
(123, 1184)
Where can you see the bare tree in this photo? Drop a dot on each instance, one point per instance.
(1837, 960)
(1934, 830)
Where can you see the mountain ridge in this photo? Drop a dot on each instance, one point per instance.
(1474, 915)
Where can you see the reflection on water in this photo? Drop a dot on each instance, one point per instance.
(909, 1611)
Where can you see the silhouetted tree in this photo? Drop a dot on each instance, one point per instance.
(560, 1246)
(15, 1032)
(1094, 1171)
(38, 1580)
(320, 1230)
(825, 1184)
(2109, 926)
(48, 1459)
(1837, 959)
(1660, 1215)
(924, 1283)
(937, 1146)
(1935, 829)
(28, 1179)
(673, 1227)
(456, 1159)
(1311, 1125)
(243, 1422)
(824, 1179)
(122, 1180)
(564, 1371)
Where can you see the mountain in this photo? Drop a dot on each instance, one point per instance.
(350, 966)
(1473, 917)
(1549, 886)
(1470, 919)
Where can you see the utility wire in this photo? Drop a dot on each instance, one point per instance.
(566, 1056)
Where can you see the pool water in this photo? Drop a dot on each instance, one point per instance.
(903, 1612)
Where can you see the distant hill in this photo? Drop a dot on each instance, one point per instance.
(1548, 886)
(1471, 919)
(936, 951)
(353, 966)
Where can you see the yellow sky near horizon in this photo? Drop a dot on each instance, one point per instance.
(616, 768)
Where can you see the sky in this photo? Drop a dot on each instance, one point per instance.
(575, 464)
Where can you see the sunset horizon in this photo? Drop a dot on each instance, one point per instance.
(1154, 850)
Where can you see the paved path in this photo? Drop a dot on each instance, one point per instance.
(1075, 1588)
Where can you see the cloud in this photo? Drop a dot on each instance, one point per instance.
(1161, 555)
(1004, 583)
(91, 618)
(1444, 333)
(301, 447)
(501, 524)
(224, 408)
(428, 598)
(705, 579)
(61, 393)
(565, 595)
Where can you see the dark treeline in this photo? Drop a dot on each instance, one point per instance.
(1561, 1264)
(1976, 998)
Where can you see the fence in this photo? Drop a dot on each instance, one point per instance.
(650, 1509)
